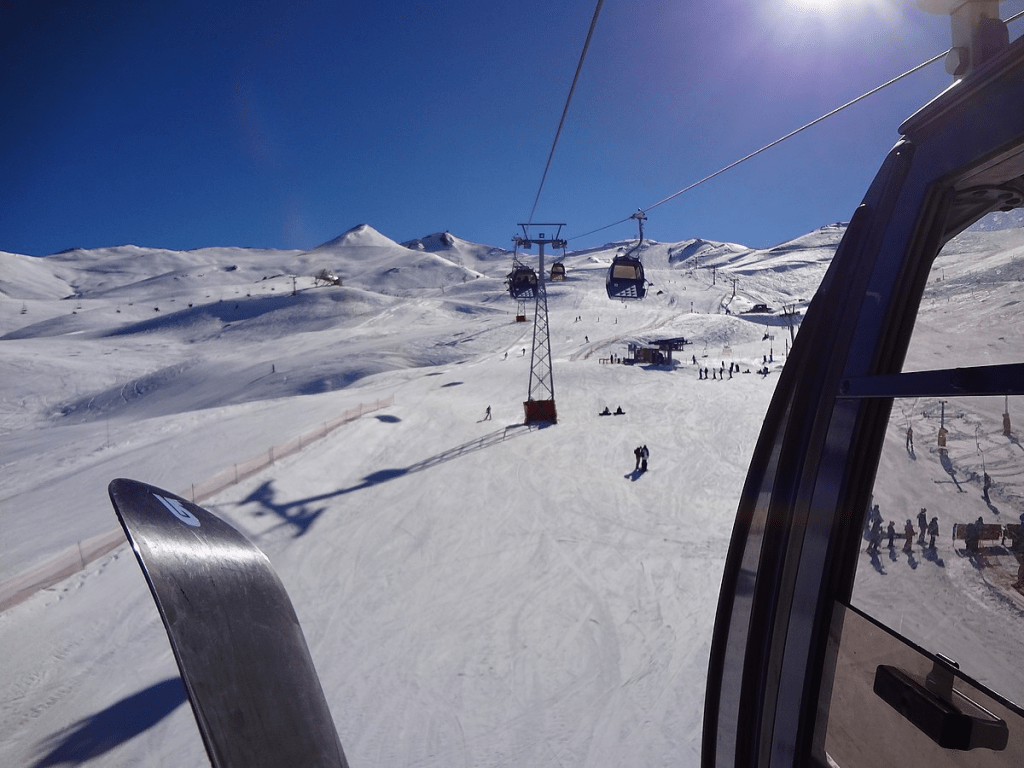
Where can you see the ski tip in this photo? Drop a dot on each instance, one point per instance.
(240, 650)
(137, 502)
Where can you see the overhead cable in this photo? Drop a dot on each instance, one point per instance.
(775, 143)
(565, 110)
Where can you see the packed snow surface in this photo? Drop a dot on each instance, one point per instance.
(474, 592)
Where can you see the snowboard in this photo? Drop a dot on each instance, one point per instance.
(242, 656)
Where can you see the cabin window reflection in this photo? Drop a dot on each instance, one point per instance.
(625, 272)
(941, 557)
(971, 309)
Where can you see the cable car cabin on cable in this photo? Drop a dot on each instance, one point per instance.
(626, 278)
(557, 272)
(522, 282)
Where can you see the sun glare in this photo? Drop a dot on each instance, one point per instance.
(821, 7)
(841, 10)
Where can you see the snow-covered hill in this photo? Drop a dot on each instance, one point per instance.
(473, 592)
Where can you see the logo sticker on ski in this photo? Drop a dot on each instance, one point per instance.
(175, 508)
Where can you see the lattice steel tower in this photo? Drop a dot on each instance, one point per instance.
(540, 402)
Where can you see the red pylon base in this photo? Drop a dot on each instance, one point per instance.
(540, 410)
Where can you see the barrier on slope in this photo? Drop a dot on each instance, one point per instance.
(239, 472)
(77, 556)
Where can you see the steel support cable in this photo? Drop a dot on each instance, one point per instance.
(565, 110)
(778, 141)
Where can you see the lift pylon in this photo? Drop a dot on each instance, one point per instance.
(540, 402)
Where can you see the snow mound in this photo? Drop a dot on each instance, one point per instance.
(361, 235)
(28, 277)
(483, 259)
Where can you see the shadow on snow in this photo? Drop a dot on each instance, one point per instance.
(300, 515)
(97, 734)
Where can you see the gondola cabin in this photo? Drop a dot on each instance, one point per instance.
(522, 283)
(626, 279)
(822, 655)
(557, 272)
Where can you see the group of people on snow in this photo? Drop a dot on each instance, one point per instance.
(702, 372)
(874, 530)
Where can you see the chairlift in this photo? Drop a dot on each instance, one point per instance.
(557, 272)
(626, 274)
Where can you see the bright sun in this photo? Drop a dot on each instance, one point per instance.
(819, 6)
(835, 8)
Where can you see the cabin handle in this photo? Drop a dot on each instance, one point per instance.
(932, 711)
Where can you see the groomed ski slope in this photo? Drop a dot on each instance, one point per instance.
(474, 593)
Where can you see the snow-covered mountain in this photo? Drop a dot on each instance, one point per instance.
(473, 592)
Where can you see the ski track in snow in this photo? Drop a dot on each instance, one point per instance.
(474, 593)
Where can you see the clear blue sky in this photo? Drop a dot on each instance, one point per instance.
(282, 124)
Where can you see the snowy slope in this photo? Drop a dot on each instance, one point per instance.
(474, 592)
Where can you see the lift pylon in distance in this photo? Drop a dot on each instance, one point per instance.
(540, 402)
(803, 671)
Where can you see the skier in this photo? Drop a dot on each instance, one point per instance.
(973, 535)
(487, 415)
(910, 439)
(644, 453)
(987, 483)
(875, 522)
(891, 532)
(908, 531)
(636, 452)
(933, 531)
(922, 523)
(875, 537)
